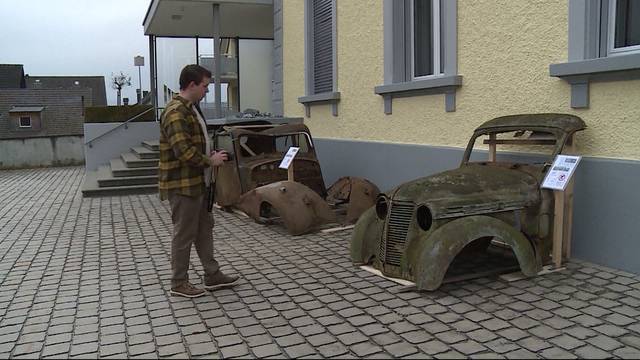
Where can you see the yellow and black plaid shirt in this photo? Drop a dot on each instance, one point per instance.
(182, 151)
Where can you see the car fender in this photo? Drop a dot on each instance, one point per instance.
(300, 208)
(446, 242)
(359, 193)
(365, 239)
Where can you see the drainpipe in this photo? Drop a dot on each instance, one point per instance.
(217, 58)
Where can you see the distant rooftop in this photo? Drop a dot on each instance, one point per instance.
(11, 76)
(95, 83)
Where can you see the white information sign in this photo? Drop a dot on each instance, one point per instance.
(561, 171)
(288, 157)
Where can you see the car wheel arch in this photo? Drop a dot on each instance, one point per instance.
(450, 239)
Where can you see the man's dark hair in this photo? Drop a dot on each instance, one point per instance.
(193, 73)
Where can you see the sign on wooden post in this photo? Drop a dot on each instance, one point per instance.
(287, 162)
(557, 179)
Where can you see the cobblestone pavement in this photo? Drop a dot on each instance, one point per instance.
(90, 278)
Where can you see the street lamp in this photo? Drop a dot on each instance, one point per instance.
(139, 61)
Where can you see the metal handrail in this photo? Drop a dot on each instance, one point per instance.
(125, 124)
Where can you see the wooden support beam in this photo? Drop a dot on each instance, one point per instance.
(290, 172)
(492, 147)
(558, 228)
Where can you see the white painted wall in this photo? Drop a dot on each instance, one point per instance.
(256, 73)
(46, 151)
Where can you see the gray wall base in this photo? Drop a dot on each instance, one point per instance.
(606, 200)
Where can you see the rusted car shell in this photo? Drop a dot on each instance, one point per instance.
(428, 221)
(300, 208)
(246, 181)
(359, 194)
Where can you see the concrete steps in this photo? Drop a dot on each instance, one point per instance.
(132, 160)
(135, 172)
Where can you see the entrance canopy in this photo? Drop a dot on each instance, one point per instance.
(251, 19)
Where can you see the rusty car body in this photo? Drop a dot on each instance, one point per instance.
(416, 230)
(252, 181)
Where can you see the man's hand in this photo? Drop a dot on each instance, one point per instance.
(218, 157)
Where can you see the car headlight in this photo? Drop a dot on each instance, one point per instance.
(423, 215)
(382, 207)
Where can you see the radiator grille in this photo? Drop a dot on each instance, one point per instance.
(393, 244)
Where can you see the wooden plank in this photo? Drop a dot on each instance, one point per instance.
(337, 228)
(515, 276)
(558, 225)
(476, 275)
(377, 272)
(520, 142)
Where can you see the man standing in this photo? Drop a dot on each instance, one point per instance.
(184, 173)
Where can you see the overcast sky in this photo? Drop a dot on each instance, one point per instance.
(76, 37)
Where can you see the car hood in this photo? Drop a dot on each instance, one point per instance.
(471, 189)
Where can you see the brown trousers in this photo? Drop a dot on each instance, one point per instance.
(192, 223)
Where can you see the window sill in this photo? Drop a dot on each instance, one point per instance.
(580, 73)
(438, 85)
(324, 98)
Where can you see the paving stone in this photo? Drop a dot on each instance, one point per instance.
(611, 330)
(534, 344)
(386, 339)
(631, 340)
(332, 350)
(229, 340)
(566, 342)
(113, 349)
(400, 349)
(289, 340)
(520, 354)
(321, 339)
(266, 350)
(501, 346)
(28, 348)
(580, 332)
(83, 349)
(240, 350)
(469, 347)
(57, 349)
(627, 353)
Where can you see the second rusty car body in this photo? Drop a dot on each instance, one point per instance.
(252, 181)
(416, 230)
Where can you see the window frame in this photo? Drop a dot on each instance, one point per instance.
(588, 56)
(398, 55)
(25, 126)
(611, 34)
(311, 98)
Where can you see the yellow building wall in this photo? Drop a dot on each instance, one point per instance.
(504, 52)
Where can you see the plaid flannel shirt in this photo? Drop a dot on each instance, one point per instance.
(182, 151)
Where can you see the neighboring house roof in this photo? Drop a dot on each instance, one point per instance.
(11, 76)
(62, 111)
(95, 83)
(18, 109)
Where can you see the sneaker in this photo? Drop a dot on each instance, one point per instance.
(220, 280)
(187, 290)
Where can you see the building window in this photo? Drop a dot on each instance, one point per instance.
(320, 55)
(604, 45)
(624, 26)
(425, 38)
(420, 50)
(25, 121)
